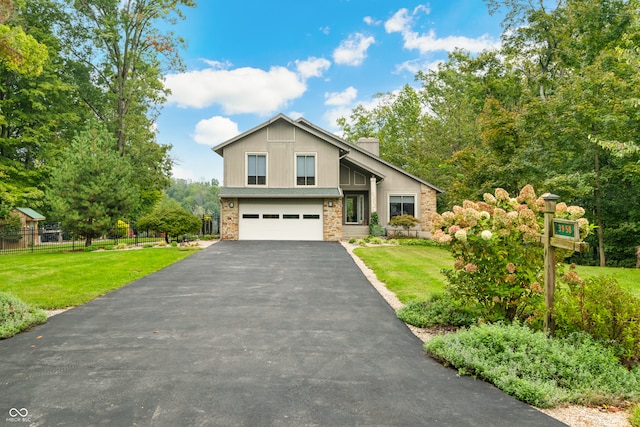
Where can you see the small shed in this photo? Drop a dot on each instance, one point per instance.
(29, 219)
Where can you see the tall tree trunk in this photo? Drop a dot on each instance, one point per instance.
(598, 196)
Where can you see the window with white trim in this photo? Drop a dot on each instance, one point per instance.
(256, 169)
(305, 169)
(402, 205)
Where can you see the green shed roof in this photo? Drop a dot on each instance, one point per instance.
(30, 213)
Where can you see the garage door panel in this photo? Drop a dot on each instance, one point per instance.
(283, 220)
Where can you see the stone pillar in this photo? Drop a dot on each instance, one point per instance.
(229, 217)
(373, 196)
(332, 220)
(428, 205)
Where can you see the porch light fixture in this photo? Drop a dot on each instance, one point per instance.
(330, 204)
(231, 204)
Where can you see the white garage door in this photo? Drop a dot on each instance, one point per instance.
(281, 220)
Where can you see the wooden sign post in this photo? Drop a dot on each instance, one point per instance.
(558, 233)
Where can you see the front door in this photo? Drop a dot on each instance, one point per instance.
(354, 208)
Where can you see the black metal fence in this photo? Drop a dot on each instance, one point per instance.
(50, 237)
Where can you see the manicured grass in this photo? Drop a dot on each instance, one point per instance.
(60, 280)
(628, 278)
(411, 272)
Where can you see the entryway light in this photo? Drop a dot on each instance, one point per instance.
(231, 204)
(330, 204)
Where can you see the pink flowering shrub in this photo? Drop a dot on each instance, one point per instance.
(499, 259)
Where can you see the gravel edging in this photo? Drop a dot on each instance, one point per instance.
(572, 415)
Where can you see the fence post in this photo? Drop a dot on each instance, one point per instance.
(549, 261)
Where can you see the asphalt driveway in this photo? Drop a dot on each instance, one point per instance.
(242, 334)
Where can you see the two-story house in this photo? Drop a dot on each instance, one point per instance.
(291, 180)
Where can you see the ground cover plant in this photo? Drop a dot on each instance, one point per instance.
(59, 280)
(538, 370)
(16, 315)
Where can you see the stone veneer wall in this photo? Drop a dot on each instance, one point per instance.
(332, 218)
(229, 219)
(428, 205)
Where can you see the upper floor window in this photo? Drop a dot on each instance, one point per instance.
(257, 169)
(305, 169)
(401, 205)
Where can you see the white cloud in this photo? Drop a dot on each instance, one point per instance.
(371, 21)
(180, 173)
(243, 90)
(215, 130)
(414, 65)
(217, 65)
(295, 115)
(431, 43)
(325, 30)
(399, 22)
(332, 115)
(402, 22)
(312, 67)
(240, 90)
(353, 50)
(345, 97)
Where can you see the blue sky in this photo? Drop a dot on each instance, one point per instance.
(249, 60)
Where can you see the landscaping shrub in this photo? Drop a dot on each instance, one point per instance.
(11, 228)
(108, 247)
(147, 245)
(376, 241)
(439, 310)
(541, 371)
(90, 248)
(420, 242)
(404, 221)
(206, 237)
(600, 307)
(16, 316)
(121, 246)
(498, 257)
(375, 229)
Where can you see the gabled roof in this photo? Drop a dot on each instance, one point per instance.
(31, 213)
(220, 148)
(344, 146)
(354, 147)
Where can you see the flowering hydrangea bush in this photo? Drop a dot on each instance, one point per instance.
(498, 255)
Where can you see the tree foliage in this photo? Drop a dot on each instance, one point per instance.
(90, 187)
(171, 220)
(63, 64)
(199, 198)
(556, 106)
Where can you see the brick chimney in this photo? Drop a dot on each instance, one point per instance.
(371, 145)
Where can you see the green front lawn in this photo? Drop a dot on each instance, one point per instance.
(628, 278)
(59, 280)
(411, 272)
